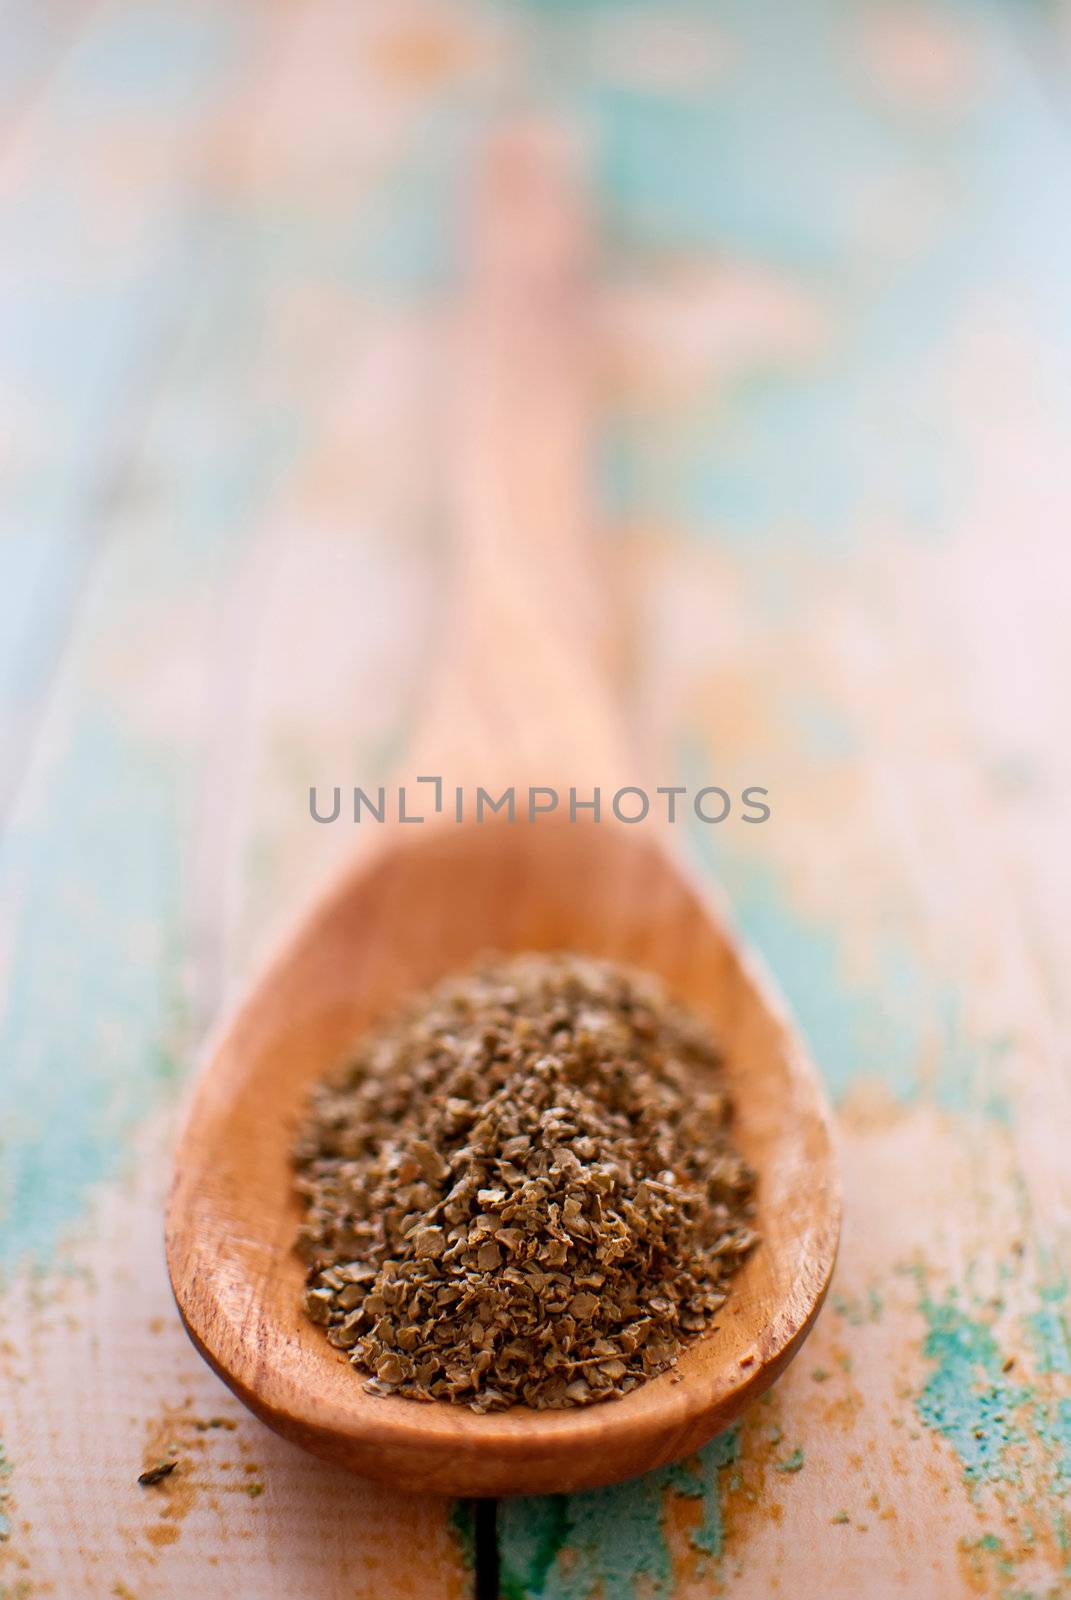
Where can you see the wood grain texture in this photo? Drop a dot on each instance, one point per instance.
(119, 919)
(833, 426)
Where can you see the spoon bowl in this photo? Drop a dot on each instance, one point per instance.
(405, 916)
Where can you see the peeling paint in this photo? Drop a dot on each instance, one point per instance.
(903, 1025)
(531, 1535)
(611, 1541)
(94, 979)
(463, 1524)
(1047, 1328)
(855, 1032)
(967, 1399)
(1047, 1332)
(5, 1493)
(1053, 1424)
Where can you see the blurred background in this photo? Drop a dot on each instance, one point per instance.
(834, 319)
(835, 255)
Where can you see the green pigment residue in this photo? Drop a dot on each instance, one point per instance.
(614, 1537)
(1061, 1428)
(824, 730)
(95, 961)
(1047, 1327)
(969, 1071)
(989, 1562)
(791, 1463)
(897, 1022)
(967, 1398)
(5, 1493)
(1047, 1332)
(698, 1480)
(856, 1310)
(463, 1523)
(535, 1531)
(1053, 1425)
(857, 1030)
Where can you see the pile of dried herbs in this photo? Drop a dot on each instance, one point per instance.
(521, 1190)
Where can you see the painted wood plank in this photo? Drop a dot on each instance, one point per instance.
(141, 782)
(35, 37)
(862, 614)
(100, 235)
(832, 451)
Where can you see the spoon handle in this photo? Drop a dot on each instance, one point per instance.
(522, 695)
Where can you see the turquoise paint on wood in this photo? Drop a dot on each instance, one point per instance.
(1047, 1332)
(673, 179)
(6, 1468)
(610, 1542)
(463, 1525)
(33, 36)
(94, 1010)
(856, 1030)
(1003, 1431)
(967, 1398)
(81, 349)
(788, 161)
(147, 58)
(96, 883)
(891, 1018)
(1047, 1327)
(1060, 1436)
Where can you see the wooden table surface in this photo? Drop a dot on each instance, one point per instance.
(833, 462)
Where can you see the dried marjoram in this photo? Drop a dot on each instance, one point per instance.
(522, 1190)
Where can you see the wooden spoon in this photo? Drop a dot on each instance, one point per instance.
(520, 699)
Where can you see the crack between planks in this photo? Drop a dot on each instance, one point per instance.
(486, 1550)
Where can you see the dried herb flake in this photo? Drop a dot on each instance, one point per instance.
(522, 1189)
